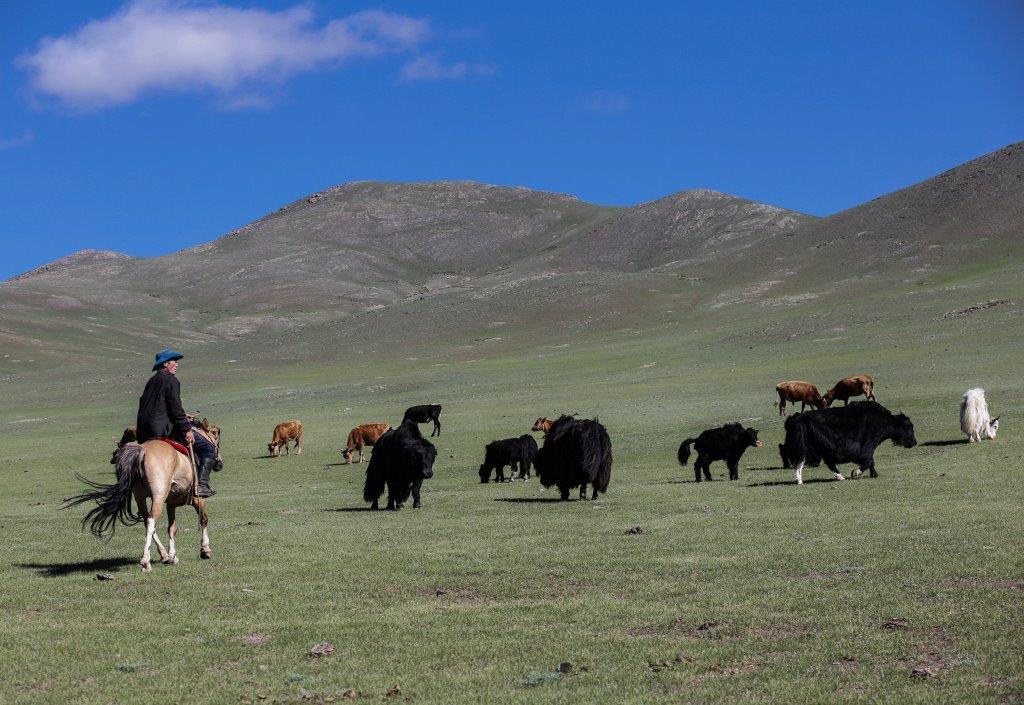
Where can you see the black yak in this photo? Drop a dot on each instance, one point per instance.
(424, 413)
(727, 443)
(576, 452)
(517, 453)
(402, 459)
(847, 434)
(788, 463)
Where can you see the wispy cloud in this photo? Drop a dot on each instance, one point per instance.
(605, 102)
(19, 141)
(432, 67)
(159, 45)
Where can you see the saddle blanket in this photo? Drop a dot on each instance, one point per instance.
(174, 444)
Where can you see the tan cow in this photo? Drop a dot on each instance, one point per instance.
(804, 392)
(851, 387)
(363, 435)
(284, 432)
(542, 424)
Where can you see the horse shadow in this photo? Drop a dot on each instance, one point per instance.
(782, 483)
(56, 570)
(954, 442)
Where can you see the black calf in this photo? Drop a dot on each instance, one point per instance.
(727, 443)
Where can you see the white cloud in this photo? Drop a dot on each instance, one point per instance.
(21, 140)
(159, 45)
(605, 102)
(431, 67)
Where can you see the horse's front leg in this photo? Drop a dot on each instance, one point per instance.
(204, 545)
(172, 529)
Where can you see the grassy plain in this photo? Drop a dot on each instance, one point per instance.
(755, 591)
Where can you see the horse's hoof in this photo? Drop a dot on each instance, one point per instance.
(170, 560)
(146, 567)
(206, 554)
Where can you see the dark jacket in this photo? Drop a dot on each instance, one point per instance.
(160, 410)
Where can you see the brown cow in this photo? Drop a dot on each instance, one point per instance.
(851, 387)
(804, 392)
(363, 435)
(542, 424)
(284, 432)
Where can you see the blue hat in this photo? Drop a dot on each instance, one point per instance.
(166, 355)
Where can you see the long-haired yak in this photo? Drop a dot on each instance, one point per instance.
(402, 459)
(974, 419)
(727, 443)
(576, 453)
(845, 434)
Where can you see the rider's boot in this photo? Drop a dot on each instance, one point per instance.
(205, 467)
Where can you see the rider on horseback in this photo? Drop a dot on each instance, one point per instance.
(161, 415)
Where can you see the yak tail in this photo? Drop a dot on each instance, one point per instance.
(684, 451)
(796, 441)
(374, 486)
(604, 474)
(113, 501)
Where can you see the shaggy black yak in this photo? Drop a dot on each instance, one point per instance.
(402, 459)
(576, 453)
(845, 434)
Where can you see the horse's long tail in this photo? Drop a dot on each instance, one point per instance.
(113, 501)
(684, 451)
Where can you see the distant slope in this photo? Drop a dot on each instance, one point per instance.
(686, 227)
(972, 212)
(452, 261)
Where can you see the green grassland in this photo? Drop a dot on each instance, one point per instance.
(755, 591)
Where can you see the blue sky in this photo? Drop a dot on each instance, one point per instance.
(124, 127)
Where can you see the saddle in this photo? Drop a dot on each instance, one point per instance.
(174, 444)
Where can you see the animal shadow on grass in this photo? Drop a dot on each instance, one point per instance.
(56, 570)
(352, 509)
(337, 465)
(779, 483)
(954, 442)
(531, 500)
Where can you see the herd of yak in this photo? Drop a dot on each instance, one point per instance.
(577, 453)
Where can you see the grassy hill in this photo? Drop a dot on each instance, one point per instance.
(663, 320)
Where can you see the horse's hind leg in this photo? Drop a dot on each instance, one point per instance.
(172, 529)
(151, 536)
(204, 546)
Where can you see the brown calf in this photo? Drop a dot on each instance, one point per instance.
(804, 392)
(851, 387)
(363, 435)
(542, 424)
(284, 432)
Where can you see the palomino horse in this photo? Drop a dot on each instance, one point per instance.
(153, 470)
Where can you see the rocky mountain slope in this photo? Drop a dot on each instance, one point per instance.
(465, 256)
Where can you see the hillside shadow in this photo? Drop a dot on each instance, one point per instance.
(533, 500)
(780, 483)
(56, 570)
(954, 442)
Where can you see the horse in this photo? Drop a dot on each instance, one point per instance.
(154, 470)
